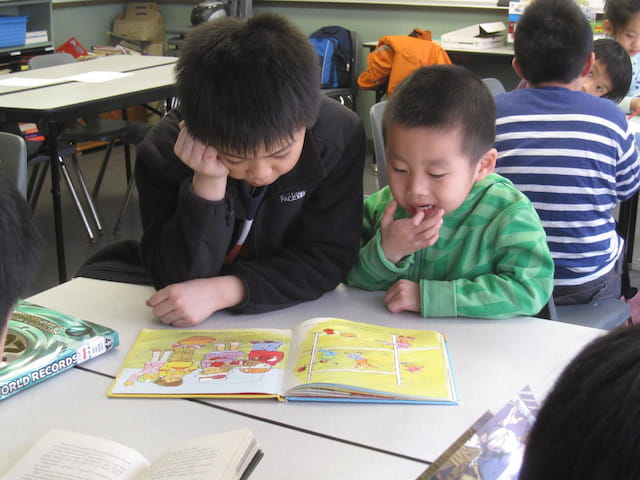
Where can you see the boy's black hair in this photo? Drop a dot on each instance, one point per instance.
(445, 97)
(587, 427)
(19, 246)
(616, 60)
(619, 12)
(244, 84)
(552, 42)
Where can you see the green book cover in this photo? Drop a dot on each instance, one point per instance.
(42, 343)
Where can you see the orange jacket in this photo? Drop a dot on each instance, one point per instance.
(396, 56)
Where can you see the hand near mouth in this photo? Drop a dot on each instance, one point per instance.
(407, 235)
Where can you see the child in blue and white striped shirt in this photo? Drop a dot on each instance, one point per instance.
(570, 152)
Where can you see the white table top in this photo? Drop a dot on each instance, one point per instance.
(75, 400)
(112, 63)
(492, 360)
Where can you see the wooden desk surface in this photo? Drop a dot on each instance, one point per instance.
(76, 401)
(492, 360)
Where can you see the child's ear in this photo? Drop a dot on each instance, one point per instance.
(516, 67)
(607, 27)
(486, 164)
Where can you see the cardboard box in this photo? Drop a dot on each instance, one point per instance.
(476, 37)
(141, 21)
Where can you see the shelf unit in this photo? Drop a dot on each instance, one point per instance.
(39, 17)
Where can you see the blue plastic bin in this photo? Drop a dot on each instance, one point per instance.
(13, 31)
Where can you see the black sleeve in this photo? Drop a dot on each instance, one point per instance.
(184, 236)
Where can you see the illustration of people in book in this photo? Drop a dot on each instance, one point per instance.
(327, 355)
(173, 363)
(361, 362)
(151, 370)
(227, 358)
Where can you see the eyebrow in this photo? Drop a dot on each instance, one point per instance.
(270, 154)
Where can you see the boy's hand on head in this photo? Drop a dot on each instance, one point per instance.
(404, 295)
(407, 235)
(188, 303)
(209, 173)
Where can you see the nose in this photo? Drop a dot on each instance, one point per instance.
(261, 172)
(418, 185)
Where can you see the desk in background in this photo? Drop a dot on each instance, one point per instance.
(491, 62)
(492, 361)
(62, 100)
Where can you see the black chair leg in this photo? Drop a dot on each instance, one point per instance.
(103, 169)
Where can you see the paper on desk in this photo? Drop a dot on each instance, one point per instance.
(11, 81)
(97, 76)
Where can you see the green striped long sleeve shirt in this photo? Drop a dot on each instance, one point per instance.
(491, 259)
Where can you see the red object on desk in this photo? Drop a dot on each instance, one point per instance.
(73, 47)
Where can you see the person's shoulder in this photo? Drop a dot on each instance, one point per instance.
(156, 150)
(333, 115)
(501, 190)
(335, 127)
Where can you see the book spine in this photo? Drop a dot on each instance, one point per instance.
(97, 346)
(67, 359)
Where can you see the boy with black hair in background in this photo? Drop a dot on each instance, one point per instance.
(251, 190)
(447, 237)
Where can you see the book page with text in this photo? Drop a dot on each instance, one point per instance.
(219, 456)
(62, 455)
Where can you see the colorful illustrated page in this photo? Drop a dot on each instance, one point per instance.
(370, 357)
(202, 362)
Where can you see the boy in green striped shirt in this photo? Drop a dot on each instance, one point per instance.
(448, 237)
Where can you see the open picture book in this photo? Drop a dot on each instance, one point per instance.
(323, 359)
(42, 342)
(77, 456)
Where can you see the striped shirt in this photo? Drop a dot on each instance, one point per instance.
(573, 155)
(491, 259)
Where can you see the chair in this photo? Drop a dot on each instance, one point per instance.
(347, 95)
(605, 314)
(375, 116)
(95, 129)
(13, 160)
(495, 86)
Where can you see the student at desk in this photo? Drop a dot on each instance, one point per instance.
(251, 191)
(19, 250)
(571, 153)
(448, 237)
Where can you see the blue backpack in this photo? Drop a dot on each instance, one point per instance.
(333, 46)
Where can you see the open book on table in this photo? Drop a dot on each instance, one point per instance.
(327, 359)
(61, 454)
(492, 448)
(42, 342)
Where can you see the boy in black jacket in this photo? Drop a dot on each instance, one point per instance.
(251, 191)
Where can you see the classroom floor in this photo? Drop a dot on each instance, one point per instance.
(78, 248)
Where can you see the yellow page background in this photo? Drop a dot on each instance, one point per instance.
(361, 355)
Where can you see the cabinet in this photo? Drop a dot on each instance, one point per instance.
(38, 13)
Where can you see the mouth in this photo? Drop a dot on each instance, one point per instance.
(427, 209)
